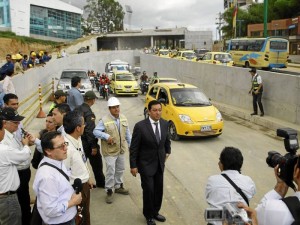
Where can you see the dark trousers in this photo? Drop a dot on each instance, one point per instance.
(96, 163)
(85, 204)
(152, 193)
(24, 196)
(257, 100)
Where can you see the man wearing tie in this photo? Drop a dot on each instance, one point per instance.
(149, 149)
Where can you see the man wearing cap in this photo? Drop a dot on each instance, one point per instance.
(18, 68)
(59, 97)
(10, 158)
(256, 91)
(7, 67)
(114, 132)
(11, 122)
(89, 142)
(75, 98)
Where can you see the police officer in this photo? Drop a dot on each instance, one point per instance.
(89, 142)
(256, 91)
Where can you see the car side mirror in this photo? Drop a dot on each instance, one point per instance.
(113, 79)
(162, 100)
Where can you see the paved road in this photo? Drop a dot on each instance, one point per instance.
(187, 170)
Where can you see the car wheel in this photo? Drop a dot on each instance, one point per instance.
(173, 132)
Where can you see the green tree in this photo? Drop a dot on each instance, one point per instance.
(86, 26)
(107, 14)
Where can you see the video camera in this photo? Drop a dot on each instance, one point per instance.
(287, 162)
(230, 214)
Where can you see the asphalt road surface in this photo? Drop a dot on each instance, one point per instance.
(187, 169)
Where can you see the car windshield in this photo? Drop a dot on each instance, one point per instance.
(125, 77)
(119, 67)
(188, 54)
(222, 57)
(189, 97)
(164, 52)
(70, 74)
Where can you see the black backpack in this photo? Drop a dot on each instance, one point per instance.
(293, 204)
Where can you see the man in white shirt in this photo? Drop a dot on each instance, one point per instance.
(76, 161)
(219, 191)
(11, 123)
(8, 86)
(10, 211)
(56, 200)
(272, 210)
(256, 91)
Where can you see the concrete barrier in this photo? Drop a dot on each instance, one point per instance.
(224, 85)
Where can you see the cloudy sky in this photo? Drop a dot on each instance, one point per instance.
(193, 14)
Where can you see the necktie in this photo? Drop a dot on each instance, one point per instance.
(157, 132)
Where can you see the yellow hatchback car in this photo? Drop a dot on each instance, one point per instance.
(187, 109)
(219, 58)
(186, 55)
(124, 83)
(164, 53)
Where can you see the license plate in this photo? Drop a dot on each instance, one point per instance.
(205, 128)
(128, 90)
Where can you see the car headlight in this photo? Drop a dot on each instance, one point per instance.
(60, 86)
(136, 86)
(119, 86)
(185, 118)
(219, 116)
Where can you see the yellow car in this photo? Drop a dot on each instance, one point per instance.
(124, 83)
(188, 111)
(163, 53)
(219, 58)
(186, 55)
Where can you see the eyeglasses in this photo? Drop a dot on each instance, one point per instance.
(62, 146)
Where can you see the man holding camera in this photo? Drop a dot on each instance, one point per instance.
(271, 209)
(220, 191)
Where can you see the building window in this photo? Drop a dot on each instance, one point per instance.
(54, 23)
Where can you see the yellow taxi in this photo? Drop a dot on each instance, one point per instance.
(164, 53)
(186, 55)
(187, 109)
(124, 83)
(219, 58)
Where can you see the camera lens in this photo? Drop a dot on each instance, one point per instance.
(275, 158)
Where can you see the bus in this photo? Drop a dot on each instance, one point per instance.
(265, 53)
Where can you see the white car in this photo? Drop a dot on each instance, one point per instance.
(64, 82)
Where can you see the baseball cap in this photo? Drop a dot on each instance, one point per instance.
(10, 114)
(90, 95)
(60, 93)
(253, 70)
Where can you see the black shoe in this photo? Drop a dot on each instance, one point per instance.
(262, 114)
(151, 221)
(100, 185)
(160, 218)
(253, 114)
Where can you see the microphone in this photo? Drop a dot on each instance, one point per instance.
(77, 185)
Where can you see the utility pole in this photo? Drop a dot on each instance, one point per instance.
(240, 26)
(265, 18)
(219, 23)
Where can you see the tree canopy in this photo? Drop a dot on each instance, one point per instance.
(277, 9)
(105, 15)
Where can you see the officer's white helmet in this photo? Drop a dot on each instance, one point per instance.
(113, 101)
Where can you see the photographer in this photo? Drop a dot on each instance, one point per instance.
(220, 191)
(271, 209)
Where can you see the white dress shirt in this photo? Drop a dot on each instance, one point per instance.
(154, 126)
(12, 141)
(9, 158)
(76, 162)
(273, 211)
(8, 86)
(219, 191)
(53, 192)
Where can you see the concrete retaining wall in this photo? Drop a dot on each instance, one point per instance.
(225, 85)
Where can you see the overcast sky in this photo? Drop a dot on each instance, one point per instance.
(193, 14)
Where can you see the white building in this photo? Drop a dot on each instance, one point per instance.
(53, 19)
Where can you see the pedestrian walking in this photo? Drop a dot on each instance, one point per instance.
(256, 91)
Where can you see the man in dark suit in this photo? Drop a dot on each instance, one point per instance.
(149, 149)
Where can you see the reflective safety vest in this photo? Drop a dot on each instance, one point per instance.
(255, 85)
(120, 144)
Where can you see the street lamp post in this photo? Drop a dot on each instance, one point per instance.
(276, 29)
(240, 26)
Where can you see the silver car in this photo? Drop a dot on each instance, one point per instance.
(64, 82)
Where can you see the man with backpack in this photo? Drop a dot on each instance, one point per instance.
(274, 208)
